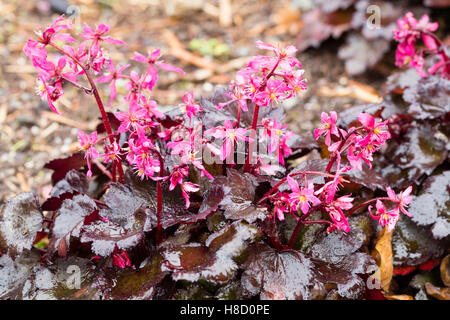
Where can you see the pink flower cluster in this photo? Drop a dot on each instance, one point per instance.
(408, 32)
(357, 145)
(360, 142)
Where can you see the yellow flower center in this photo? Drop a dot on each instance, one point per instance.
(377, 131)
(301, 198)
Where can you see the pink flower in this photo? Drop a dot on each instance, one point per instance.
(328, 127)
(377, 130)
(150, 106)
(385, 218)
(403, 200)
(339, 220)
(88, 145)
(281, 205)
(301, 197)
(153, 60)
(112, 75)
(121, 259)
(190, 108)
(113, 153)
(51, 93)
(186, 188)
(129, 120)
(237, 96)
(279, 51)
(177, 176)
(51, 32)
(97, 35)
(230, 136)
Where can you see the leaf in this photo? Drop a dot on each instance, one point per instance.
(64, 165)
(401, 80)
(319, 165)
(74, 182)
(280, 275)
(366, 177)
(360, 54)
(124, 204)
(429, 97)
(338, 262)
(432, 206)
(69, 222)
(216, 260)
(420, 152)
(437, 3)
(330, 6)
(20, 220)
(59, 281)
(349, 117)
(136, 284)
(334, 247)
(330, 269)
(13, 273)
(383, 252)
(319, 26)
(174, 211)
(412, 245)
(105, 236)
(239, 195)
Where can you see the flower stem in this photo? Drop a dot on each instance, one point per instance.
(252, 139)
(365, 204)
(292, 175)
(98, 99)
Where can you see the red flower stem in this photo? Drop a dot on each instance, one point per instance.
(291, 175)
(317, 221)
(97, 99)
(255, 117)
(238, 122)
(365, 204)
(104, 170)
(159, 195)
(253, 138)
(298, 226)
(440, 49)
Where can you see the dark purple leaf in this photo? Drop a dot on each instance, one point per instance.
(420, 153)
(59, 281)
(64, 165)
(280, 275)
(334, 247)
(429, 98)
(214, 261)
(366, 177)
(413, 245)
(14, 273)
(360, 54)
(20, 220)
(74, 182)
(319, 26)
(69, 222)
(136, 284)
(330, 6)
(239, 190)
(437, 3)
(401, 80)
(432, 205)
(106, 236)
